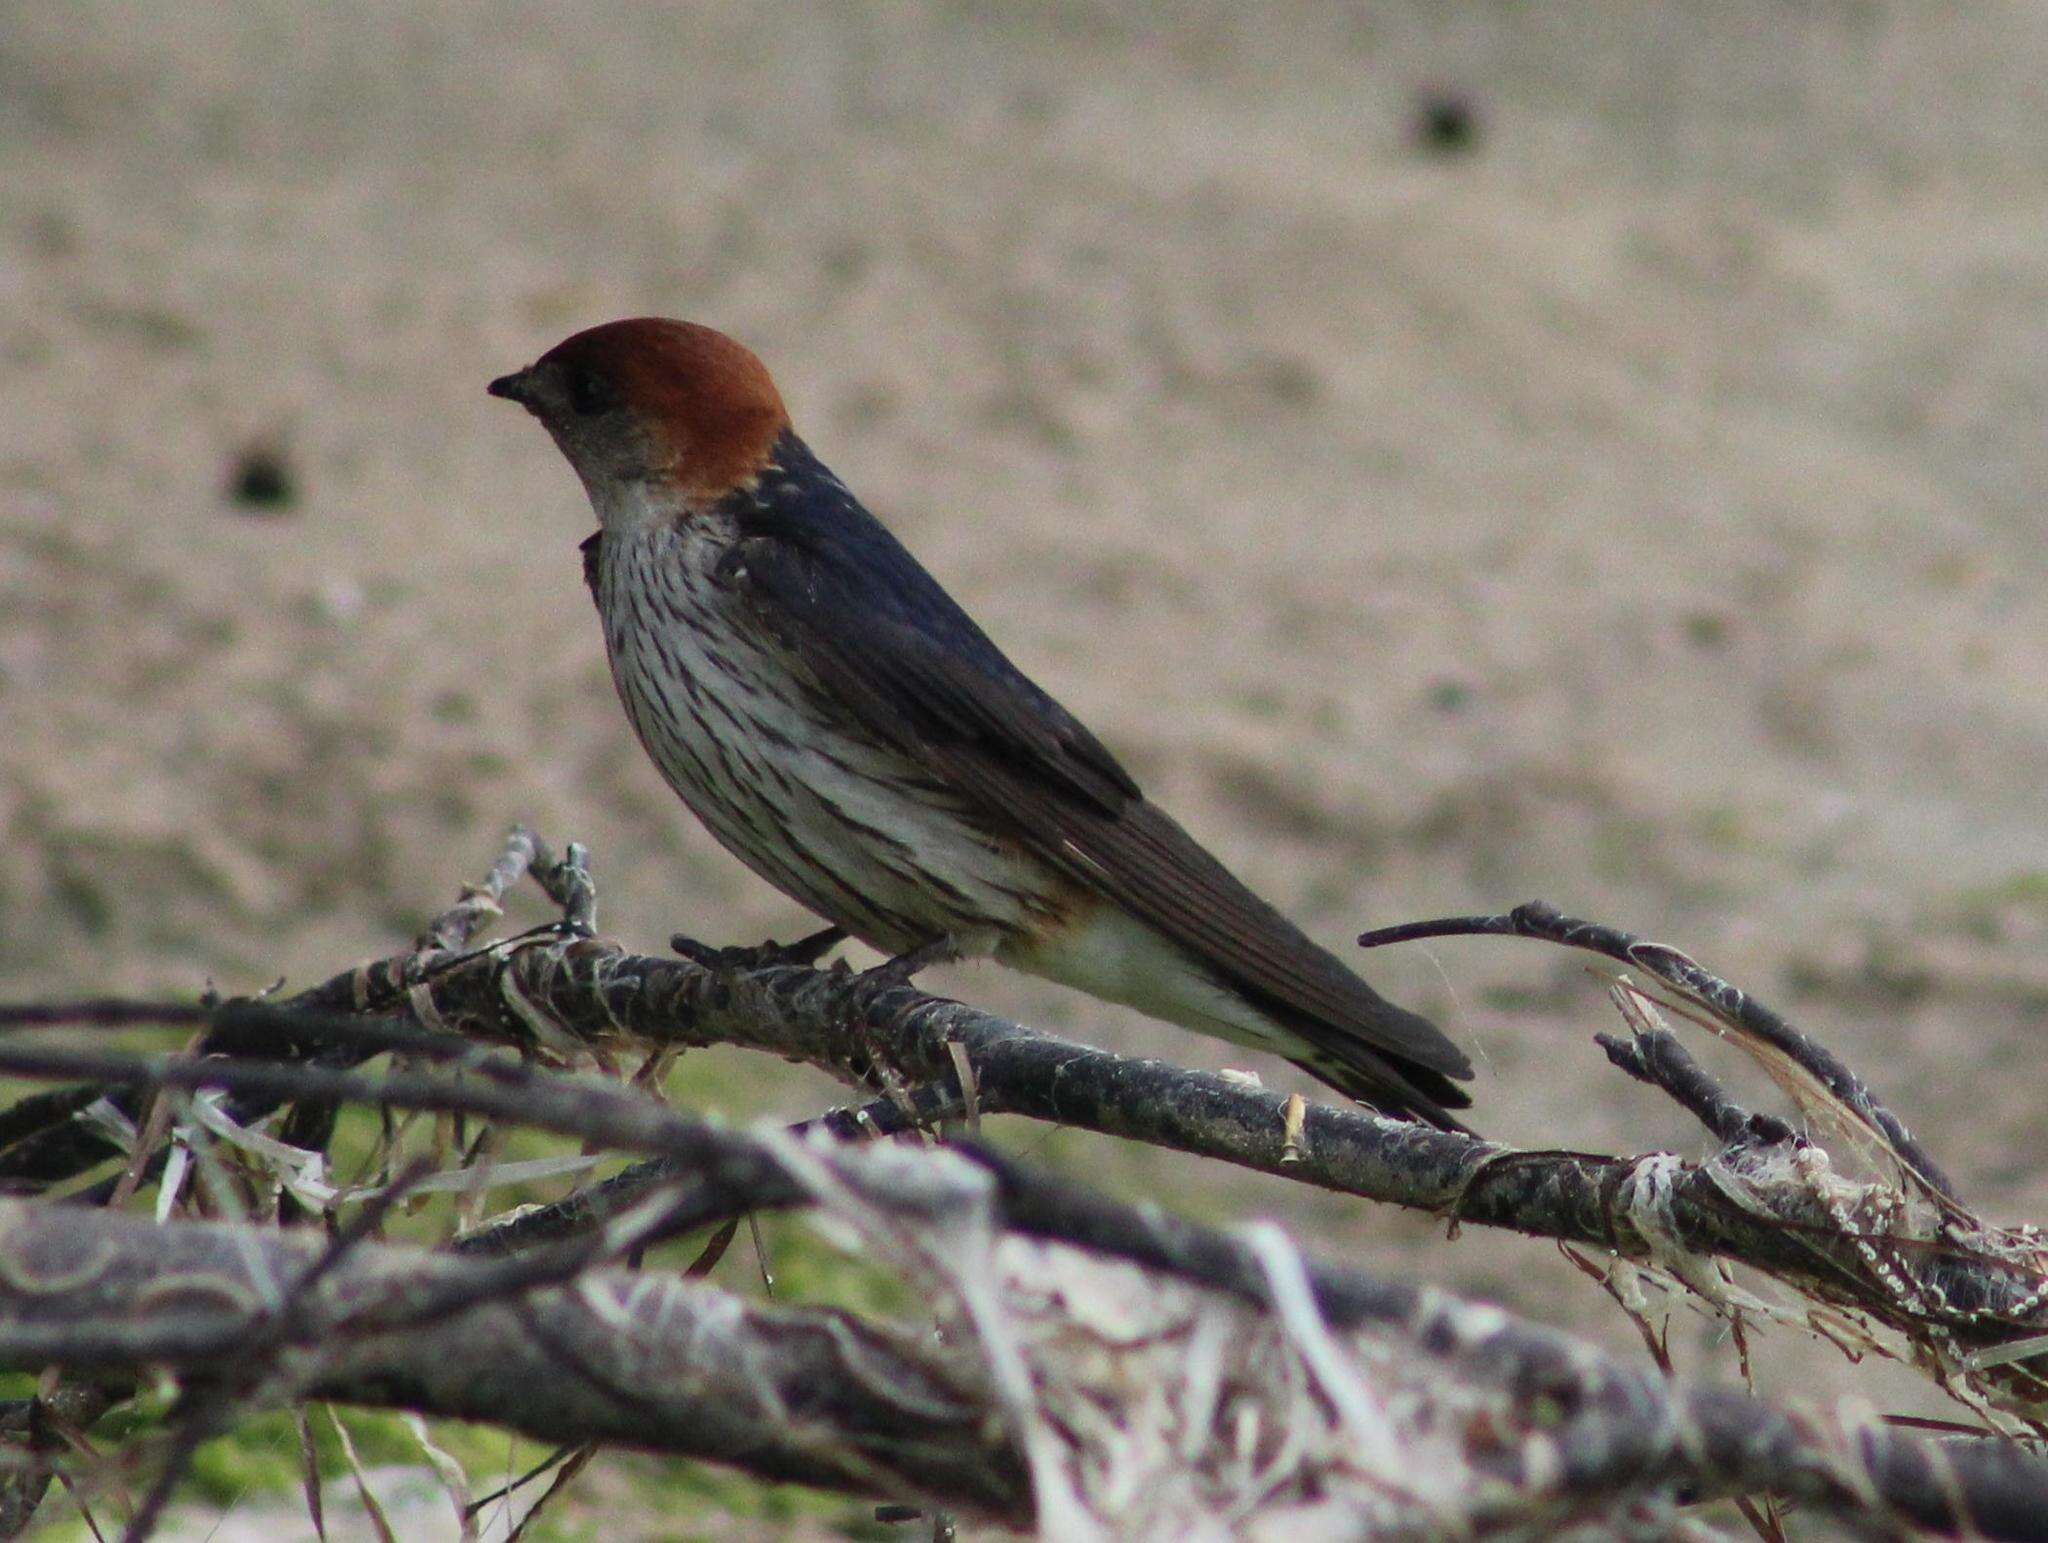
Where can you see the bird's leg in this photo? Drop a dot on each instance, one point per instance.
(803, 952)
(899, 970)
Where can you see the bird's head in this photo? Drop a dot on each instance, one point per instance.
(657, 417)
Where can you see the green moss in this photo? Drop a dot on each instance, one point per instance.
(262, 1453)
(675, 1488)
(261, 1456)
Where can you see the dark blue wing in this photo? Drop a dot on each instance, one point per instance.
(826, 580)
(829, 575)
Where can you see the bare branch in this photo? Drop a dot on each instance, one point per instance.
(827, 1399)
(1563, 1424)
(1981, 1289)
(630, 1359)
(1752, 1020)
(1653, 1055)
(1981, 1286)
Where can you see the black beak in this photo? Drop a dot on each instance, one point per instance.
(513, 388)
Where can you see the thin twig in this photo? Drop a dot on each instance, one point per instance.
(1727, 1002)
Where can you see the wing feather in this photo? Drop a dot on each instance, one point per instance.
(909, 664)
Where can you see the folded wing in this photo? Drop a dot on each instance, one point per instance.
(903, 658)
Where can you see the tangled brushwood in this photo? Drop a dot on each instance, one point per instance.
(1071, 1364)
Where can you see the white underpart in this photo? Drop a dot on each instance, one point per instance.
(827, 816)
(1112, 955)
(780, 801)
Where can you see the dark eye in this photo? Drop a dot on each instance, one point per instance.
(590, 394)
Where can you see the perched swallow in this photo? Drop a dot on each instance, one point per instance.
(849, 733)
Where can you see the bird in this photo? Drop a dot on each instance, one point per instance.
(843, 727)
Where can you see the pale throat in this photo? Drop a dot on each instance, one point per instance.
(632, 506)
(653, 540)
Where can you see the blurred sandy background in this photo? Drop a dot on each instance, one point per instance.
(1635, 507)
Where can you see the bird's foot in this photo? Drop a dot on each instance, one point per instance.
(900, 970)
(804, 952)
